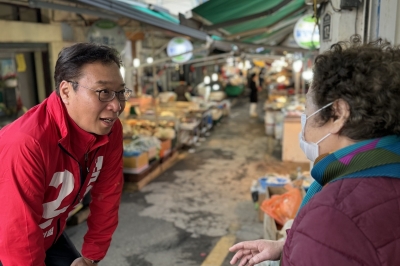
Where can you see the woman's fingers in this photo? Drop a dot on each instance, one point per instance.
(244, 245)
(254, 260)
(237, 257)
(245, 260)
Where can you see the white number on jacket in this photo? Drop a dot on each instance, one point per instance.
(50, 209)
(95, 174)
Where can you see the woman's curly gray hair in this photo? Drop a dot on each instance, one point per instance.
(367, 77)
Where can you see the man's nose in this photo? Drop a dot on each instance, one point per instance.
(115, 104)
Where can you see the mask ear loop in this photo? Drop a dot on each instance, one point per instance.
(323, 138)
(329, 104)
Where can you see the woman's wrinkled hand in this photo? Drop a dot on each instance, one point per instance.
(253, 252)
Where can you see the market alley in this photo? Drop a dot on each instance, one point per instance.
(204, 198)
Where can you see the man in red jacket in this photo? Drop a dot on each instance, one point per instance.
(60, 150)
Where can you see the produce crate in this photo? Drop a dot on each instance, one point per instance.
(136, 162)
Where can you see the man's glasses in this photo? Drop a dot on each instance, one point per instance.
(106, 95)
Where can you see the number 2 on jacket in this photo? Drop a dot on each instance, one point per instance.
(50, 209)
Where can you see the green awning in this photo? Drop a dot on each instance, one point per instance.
(142, 13)
(221, 11)
(286, 24)
(217, 11)
(162, 15)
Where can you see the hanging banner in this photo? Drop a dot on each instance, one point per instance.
(180, 49)
(108, 33)
(306, 33)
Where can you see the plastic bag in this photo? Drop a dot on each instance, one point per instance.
(283, 207)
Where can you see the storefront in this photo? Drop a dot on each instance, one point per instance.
(24, 78)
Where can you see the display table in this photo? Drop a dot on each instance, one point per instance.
(291, 151)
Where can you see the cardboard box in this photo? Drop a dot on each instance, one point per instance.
(152, 153)
(136, 162)
(291, 151)
(165, 148)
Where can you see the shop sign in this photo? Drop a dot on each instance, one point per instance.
(306, 33)
(21, 64)
(180, 49)
(326, 27)
(108, 33)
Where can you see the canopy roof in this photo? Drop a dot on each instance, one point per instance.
(139, 12)
(256, 21)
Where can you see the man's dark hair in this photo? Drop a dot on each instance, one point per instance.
(71, 60)
(367, 77)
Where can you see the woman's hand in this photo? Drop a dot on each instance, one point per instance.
(253, 252)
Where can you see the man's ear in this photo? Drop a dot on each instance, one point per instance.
(65, 91)
(342, 112)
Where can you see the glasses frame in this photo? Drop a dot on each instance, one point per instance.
(114, 93)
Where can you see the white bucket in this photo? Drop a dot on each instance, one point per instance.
(278, 130)
(269, 123)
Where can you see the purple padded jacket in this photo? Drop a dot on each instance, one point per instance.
(353, 221)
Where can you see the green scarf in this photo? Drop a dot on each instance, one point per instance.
(369, 158)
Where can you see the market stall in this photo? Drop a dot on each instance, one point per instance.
(155, 130)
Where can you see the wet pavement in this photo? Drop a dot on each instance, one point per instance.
(179, 217)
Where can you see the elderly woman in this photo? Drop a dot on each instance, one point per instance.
(350, 129)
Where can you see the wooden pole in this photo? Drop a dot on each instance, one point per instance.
(155, 89)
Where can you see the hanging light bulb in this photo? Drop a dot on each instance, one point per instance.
(136, 62)
(281, 79)
(215, 87)
(297, 65)
(308, 74)
(247, 64)
(149, 60)
(214, 77)
(207, 80)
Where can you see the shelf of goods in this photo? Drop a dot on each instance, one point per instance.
(146, 145)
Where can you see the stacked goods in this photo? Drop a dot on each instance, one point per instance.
(134, 127)
(138, 152)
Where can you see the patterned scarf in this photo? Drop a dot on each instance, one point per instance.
(369, 158)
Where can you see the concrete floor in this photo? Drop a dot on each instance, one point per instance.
(178, 218)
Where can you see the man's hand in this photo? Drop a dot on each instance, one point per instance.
(83, 262)
(253, 252)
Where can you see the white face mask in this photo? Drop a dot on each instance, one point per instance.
(310, 149)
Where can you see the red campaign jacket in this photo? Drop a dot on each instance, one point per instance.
(352, 221)
(40, 184)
